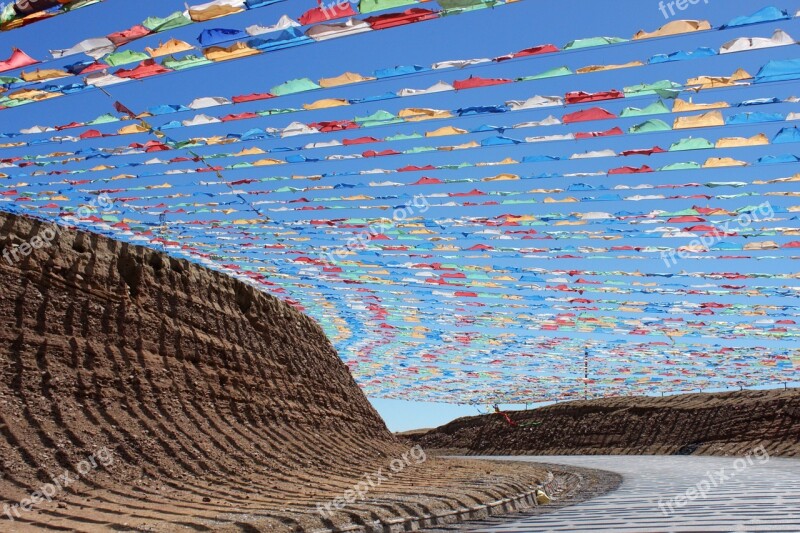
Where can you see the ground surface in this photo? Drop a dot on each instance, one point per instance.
(174, 398)
(585, 484)
(762, 496)
(702, 424)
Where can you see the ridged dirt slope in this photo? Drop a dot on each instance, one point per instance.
(712, 424)
(222, 409)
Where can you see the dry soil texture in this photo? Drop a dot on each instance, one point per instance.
(205, 404)
(712, 424)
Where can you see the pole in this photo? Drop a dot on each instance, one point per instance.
(586, 374)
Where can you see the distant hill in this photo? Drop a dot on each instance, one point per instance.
(730, 423)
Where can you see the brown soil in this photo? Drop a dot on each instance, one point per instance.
(585, 484)
(222, 408)
(709, 424)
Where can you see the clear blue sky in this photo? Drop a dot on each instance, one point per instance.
(487, 33)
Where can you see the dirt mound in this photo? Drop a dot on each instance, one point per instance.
(710, 424)
(142, 392)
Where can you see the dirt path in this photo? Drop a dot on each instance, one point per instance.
(719, 494)
(585, 484)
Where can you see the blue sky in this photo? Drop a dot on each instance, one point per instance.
(486, 33)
